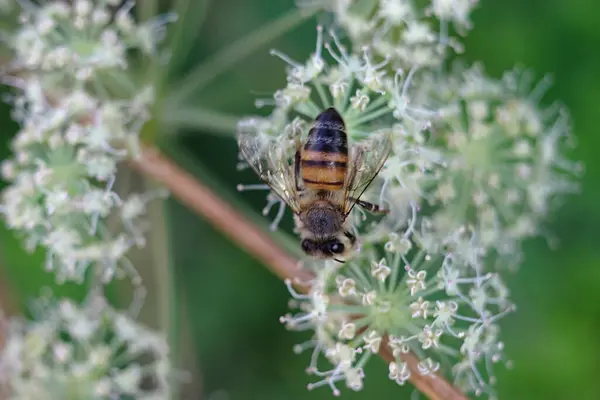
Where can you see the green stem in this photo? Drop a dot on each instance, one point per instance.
(146, 9)
(173, 310)
(166, 284)
(204, 174)
(187, 33)
(182, 11)
(234, 53)
(322, 95)
(190, 19)
(199, 118)
(367, 117)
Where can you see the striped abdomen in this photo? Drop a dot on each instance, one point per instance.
(325, 154)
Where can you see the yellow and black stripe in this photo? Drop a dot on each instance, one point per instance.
(324, 159)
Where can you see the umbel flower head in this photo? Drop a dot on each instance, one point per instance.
(476, 166)
(370, 101)
(505, 156)
(412, 34)
(437, 307)
(90, 351)
(367, 97)
(83, 41)
(80, 112)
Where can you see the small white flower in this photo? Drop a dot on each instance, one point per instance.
(347, 331)
(379, 270)
(359, 101)
(342, 355)
(457, 11)
(398, 244)
(369, 298)
(373, 342)
(428, 367)
(347, 287)
(129, 379)
(416, 281)
(420, 308)
(444, 311)
(398, 30)
(399, 372)
(430, 337)
(399, 346)
(354, 379)
(62, 352)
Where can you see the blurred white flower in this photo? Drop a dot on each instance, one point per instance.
(81, 112)
(83, 39)
(90, 351)
(506, 158)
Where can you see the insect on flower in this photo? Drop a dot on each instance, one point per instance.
(322, 181)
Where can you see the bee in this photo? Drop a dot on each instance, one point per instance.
(321, 182)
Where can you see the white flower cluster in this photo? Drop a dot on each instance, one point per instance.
(82, 352)
(370, 101)
(80, 113)
(410, 33)
(83, 41)
(506, 165)
(80, 106)
(440, 308)
(477, 164)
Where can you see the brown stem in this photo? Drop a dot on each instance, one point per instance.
(257, 243)
(202, 200)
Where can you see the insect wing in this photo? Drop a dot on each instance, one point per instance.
(367, 159)
(269, 159)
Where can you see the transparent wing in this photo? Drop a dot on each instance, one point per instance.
(366, 160)
(270, 159)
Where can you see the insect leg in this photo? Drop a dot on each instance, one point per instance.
(370, 207)
(297, 161)
(351, 237)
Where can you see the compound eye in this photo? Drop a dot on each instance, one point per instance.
(308, 246)
(337, 247)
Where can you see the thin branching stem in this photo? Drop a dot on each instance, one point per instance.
(203, 201)
(199, 118)
(234, 53)
(146, 9)
(238, 228)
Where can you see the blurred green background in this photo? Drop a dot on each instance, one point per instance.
(228, 305)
